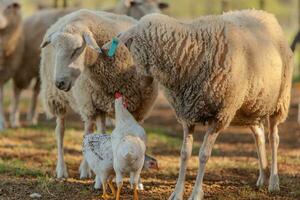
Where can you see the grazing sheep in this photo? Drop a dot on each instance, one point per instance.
(86, 79)
(232, 69)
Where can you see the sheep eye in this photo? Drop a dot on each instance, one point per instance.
(76, 52)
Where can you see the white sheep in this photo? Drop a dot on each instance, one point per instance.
(86, 79)
(11, 46)
(23, 66)
(231, 69)
(20, 51)
(60, 102)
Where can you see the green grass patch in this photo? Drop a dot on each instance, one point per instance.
(17, 168)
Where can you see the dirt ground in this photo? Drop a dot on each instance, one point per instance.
(28, 156)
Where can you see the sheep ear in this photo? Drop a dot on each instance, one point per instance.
(124, 37)
(47, 40)
(91, 42)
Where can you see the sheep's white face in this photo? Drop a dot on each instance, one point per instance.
(10, 13)
(140, 8)
(69, 59)
(69, 56)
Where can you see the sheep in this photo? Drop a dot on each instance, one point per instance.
(23, 66)
(59, 108)
(11, 46)
(29, 66)
(20, 55)
(80, 78)
(230, 69)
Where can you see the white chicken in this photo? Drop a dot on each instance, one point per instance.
(97, 150)
(129, 146)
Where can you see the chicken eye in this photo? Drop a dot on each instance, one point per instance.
(76, 52)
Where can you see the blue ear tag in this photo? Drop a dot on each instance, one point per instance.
(113, 47)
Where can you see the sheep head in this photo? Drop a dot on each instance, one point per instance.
(71, 56)
(10, 14)
(139, 8)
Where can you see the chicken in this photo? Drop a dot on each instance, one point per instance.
(128, 145)
(97, 150)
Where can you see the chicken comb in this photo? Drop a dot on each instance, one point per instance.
(118, 95)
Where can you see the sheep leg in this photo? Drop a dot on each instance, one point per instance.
(85, 171)
(260, 142)
(61, 169)
(2, 118)
(32, 115)
(204, 155)
(299, 113)
(274, 142)
(15, 112)
(186, 152)
(100, 123)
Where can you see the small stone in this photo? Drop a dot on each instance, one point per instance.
(35, 195)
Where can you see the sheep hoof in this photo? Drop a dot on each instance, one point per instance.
(176, 196)
(61, 171)
(261, 181)
(274, 183)
(140, 186)
(199, 195)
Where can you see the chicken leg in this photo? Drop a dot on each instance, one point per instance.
(135, 192)
(105, 196)
(112, 188)
(119, 191)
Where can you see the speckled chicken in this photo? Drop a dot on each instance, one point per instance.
(128, 145)
(97, 150)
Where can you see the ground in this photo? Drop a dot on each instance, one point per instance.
(28, 156)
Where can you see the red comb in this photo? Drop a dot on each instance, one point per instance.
(118, 95)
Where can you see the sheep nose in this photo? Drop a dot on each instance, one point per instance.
(60, 84)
